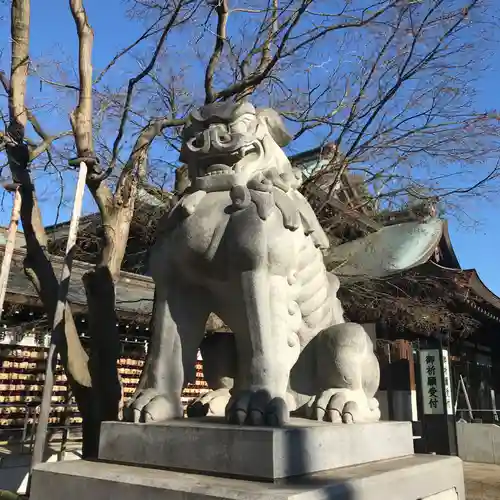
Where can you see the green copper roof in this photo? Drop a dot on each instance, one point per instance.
(390, 250)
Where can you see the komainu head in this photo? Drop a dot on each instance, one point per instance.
(227, 144)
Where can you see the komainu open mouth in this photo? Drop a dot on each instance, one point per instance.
(218, 168)
(232, 162)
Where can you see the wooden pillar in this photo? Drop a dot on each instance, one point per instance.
(402, 373)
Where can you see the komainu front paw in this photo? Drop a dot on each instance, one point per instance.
(151, 406)
(257, 408)
(343, 405)
(213, 403)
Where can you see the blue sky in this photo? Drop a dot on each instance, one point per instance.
(474, 236)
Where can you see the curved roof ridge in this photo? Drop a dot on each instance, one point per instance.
(448, 247)
(480, 289)
(474, 283)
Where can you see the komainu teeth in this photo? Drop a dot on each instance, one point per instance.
(218, 172)
(246, 149)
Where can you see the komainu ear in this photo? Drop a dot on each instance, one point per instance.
(276, 126)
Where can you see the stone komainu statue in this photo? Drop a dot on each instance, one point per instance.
(243, 243)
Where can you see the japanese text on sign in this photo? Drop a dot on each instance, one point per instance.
(432, 384)
(447, 382)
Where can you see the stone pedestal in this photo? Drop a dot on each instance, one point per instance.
(195, 460)
(266, 453)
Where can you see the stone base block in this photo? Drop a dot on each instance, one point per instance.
(211, 447)
(418, 477)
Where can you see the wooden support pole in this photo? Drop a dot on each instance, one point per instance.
(467, 400)
(11, 242)
(59, 322)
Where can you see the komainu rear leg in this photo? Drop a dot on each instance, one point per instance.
(347, 374)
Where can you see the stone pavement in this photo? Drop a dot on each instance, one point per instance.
(482, 481)
(14, 466)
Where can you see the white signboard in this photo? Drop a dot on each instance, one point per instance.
(447, 382)
(432, 383)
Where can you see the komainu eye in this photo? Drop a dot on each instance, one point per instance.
(242, 124)
(239, 127)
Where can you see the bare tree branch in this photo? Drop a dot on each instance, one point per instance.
(138, 157)
(133, 81)
(405, 74)
(222, 16)
(35, 149)
(283, 52)
(148, 33)
(81, 117)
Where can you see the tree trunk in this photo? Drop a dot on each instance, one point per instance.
(103, 324)
(104, 352)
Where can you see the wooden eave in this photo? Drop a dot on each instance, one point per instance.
(469, 288)
(134, 293)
